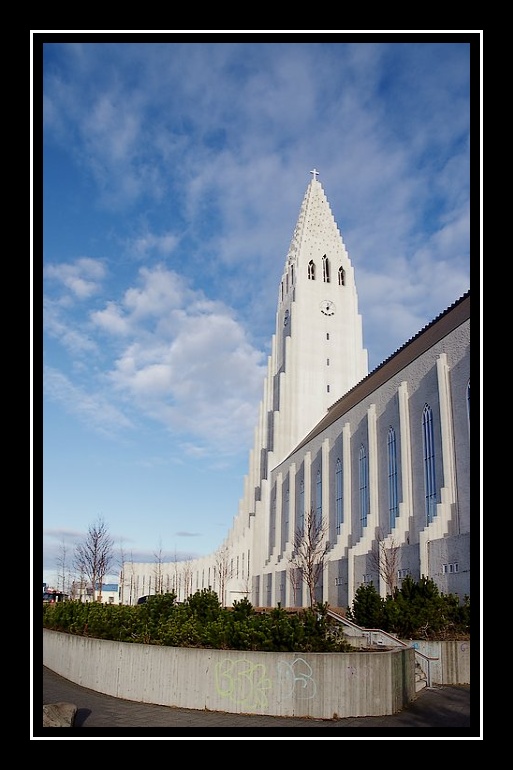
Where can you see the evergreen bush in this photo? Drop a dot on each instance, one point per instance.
(415, 611)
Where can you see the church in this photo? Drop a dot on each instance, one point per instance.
(376, 465)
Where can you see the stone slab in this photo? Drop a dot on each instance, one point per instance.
(59, 714)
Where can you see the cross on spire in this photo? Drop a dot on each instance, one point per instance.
(315, 173)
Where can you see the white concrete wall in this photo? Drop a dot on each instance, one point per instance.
(317, 685)
(449, 661)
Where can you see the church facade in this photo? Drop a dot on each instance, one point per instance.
(376, 464)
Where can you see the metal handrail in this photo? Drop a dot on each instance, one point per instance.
(394, 639)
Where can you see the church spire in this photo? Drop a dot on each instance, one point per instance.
(315, 227)
(319, 353)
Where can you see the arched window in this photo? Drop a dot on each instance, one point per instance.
(364, 487)
(325, 269)
(429, 463)
(339, 511)
(311, 270)
(341, 277)
(393, 507)
(318, 499)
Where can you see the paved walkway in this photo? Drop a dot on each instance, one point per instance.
(436, 712)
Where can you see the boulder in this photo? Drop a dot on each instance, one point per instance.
(59, 714)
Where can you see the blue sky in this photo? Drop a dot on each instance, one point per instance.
(173, 174)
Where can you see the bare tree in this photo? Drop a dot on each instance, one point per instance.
(126, 576)
(295, 578)
(79, 586)
(187, 578)
(222, 567)
(245, 584)
(384, 557)
(63, 574)
(310, 551)
(177, 578)
(159, 574)
(94, 556)
(121, 562)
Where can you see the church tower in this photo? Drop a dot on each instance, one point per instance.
(317, 355)
(319, 352)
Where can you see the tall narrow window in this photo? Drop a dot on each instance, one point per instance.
(301, 506)
(429, 463)
(311, 270)
(292, 275)
(339, 511)
(318, 499)
(272, 522)
(326, 269)
(393, 508)
(341, 277)
(468, 402)
(364, 487)
(286, 506)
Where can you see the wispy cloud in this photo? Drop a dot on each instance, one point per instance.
(82, 278)
(93, 409)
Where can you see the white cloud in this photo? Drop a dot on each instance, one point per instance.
(198, 374)
(180, 359)
(111, 319)
(161, 291)
(82, 278)
(75, 340)
(163, 244)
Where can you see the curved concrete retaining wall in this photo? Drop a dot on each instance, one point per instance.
(317, 685)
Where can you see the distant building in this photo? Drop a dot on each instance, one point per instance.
(52, 595)
(109, 593)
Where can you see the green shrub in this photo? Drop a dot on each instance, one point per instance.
(368, 608)
(416, 610)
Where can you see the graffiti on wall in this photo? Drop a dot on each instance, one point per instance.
(246, 683)
(242, 682)
(296, 679)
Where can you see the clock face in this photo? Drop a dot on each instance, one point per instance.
(327, 307)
